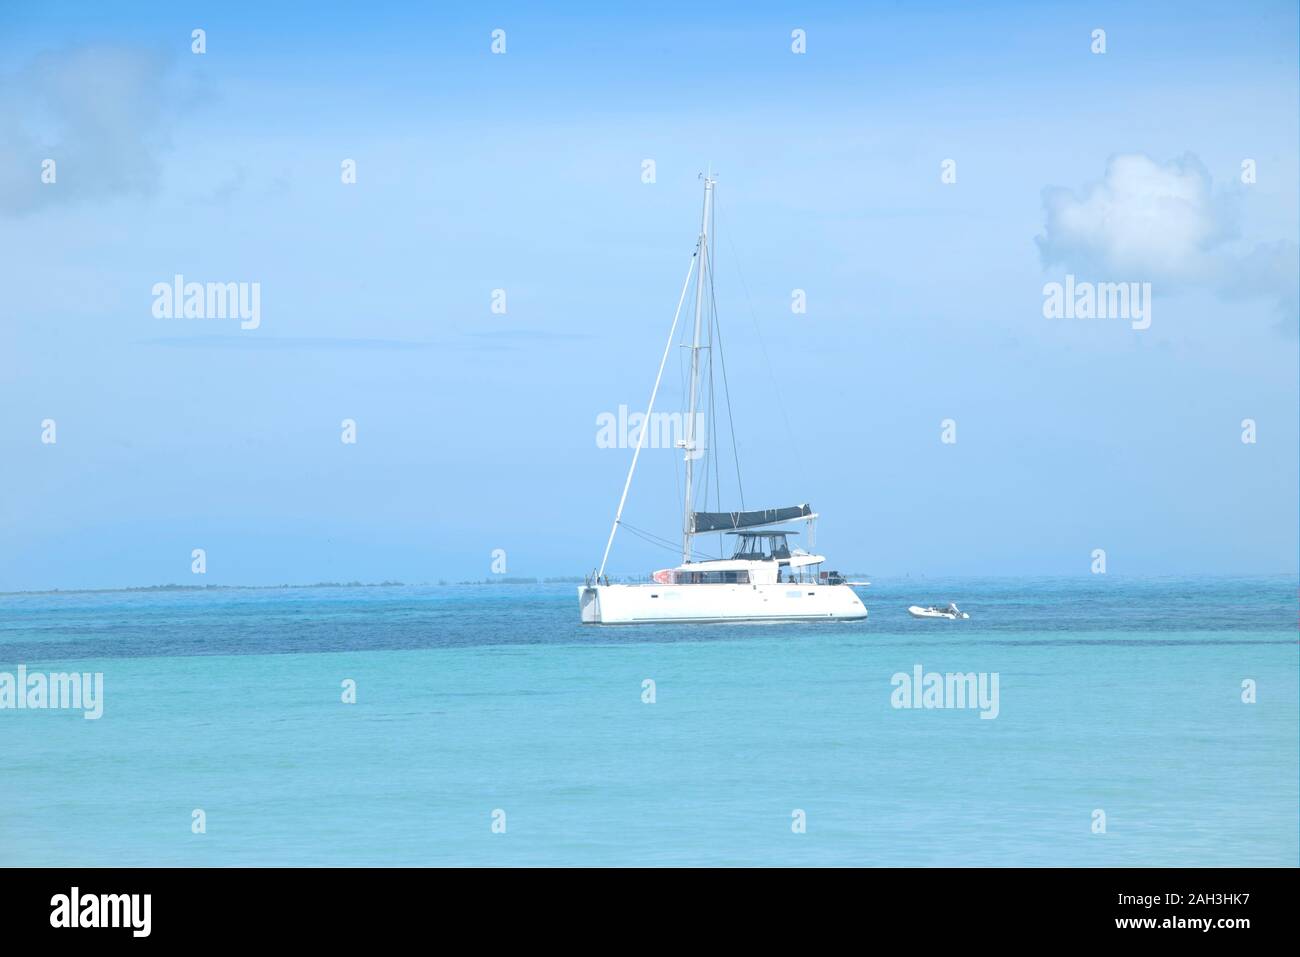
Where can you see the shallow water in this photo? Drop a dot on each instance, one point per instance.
(1113, 695)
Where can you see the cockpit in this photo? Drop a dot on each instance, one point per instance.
(761, 546)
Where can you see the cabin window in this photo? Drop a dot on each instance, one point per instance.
(715, 578)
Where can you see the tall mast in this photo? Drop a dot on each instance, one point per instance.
(705, 263)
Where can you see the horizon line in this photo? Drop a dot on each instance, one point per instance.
(578, 579)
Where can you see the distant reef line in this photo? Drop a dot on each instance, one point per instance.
(578, 580)
(495, 580)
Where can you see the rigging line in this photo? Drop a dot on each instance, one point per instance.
(676, 480)
(711, 471)
(713, 405)
(654, 539)
(678, 467)
(645, 423)
(731, 422)
(706, 443)
(717, 466)
(726, 389)
(715, 463)
(651, 537)
(798, 452)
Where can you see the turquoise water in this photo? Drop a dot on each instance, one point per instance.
(1123, 696)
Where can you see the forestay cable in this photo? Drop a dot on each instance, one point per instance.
(645, 423)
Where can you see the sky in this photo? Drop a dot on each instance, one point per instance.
(920, 172)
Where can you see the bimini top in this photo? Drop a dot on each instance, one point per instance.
(723, 521)
(763, 534)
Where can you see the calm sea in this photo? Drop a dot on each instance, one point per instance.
(1114, 696)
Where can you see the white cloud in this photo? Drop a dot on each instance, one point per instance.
(1142, 217)
(101, 114)
(1164, 223)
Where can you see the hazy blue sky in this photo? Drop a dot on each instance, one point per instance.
(522, 171)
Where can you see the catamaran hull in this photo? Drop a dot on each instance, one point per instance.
(643, 604)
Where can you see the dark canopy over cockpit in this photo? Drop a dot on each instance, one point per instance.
(728, 521)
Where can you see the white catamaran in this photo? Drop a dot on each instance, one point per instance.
(765, 578)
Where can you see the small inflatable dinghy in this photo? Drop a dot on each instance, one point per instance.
(951, 612)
